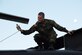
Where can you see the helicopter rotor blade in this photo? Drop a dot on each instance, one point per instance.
(13, 18)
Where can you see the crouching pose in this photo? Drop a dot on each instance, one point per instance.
(46, 36)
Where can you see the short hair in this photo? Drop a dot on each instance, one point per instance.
(41, 13)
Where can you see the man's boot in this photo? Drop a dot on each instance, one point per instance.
(40, 46)
(51, 46)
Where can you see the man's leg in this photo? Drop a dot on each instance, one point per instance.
(49, 41)
(52, 41)
(46, 44)
(38, 40)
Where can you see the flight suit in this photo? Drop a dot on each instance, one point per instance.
(46, 34)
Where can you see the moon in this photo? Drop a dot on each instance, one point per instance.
(75, 20)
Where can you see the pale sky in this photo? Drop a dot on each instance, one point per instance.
(67, 13)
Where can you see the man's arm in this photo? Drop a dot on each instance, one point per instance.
(58, 27)
(27, 32)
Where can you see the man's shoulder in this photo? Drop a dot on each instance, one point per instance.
(36, 24)
(49, 20)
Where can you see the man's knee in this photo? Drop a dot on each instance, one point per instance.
(52, 41)
(37, 37)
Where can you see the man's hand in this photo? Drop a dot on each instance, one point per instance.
(18, 27)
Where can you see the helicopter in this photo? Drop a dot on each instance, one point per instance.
(71, 43)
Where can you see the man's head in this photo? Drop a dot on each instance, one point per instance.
(41, 16)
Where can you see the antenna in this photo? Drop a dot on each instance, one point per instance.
(9, 36)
